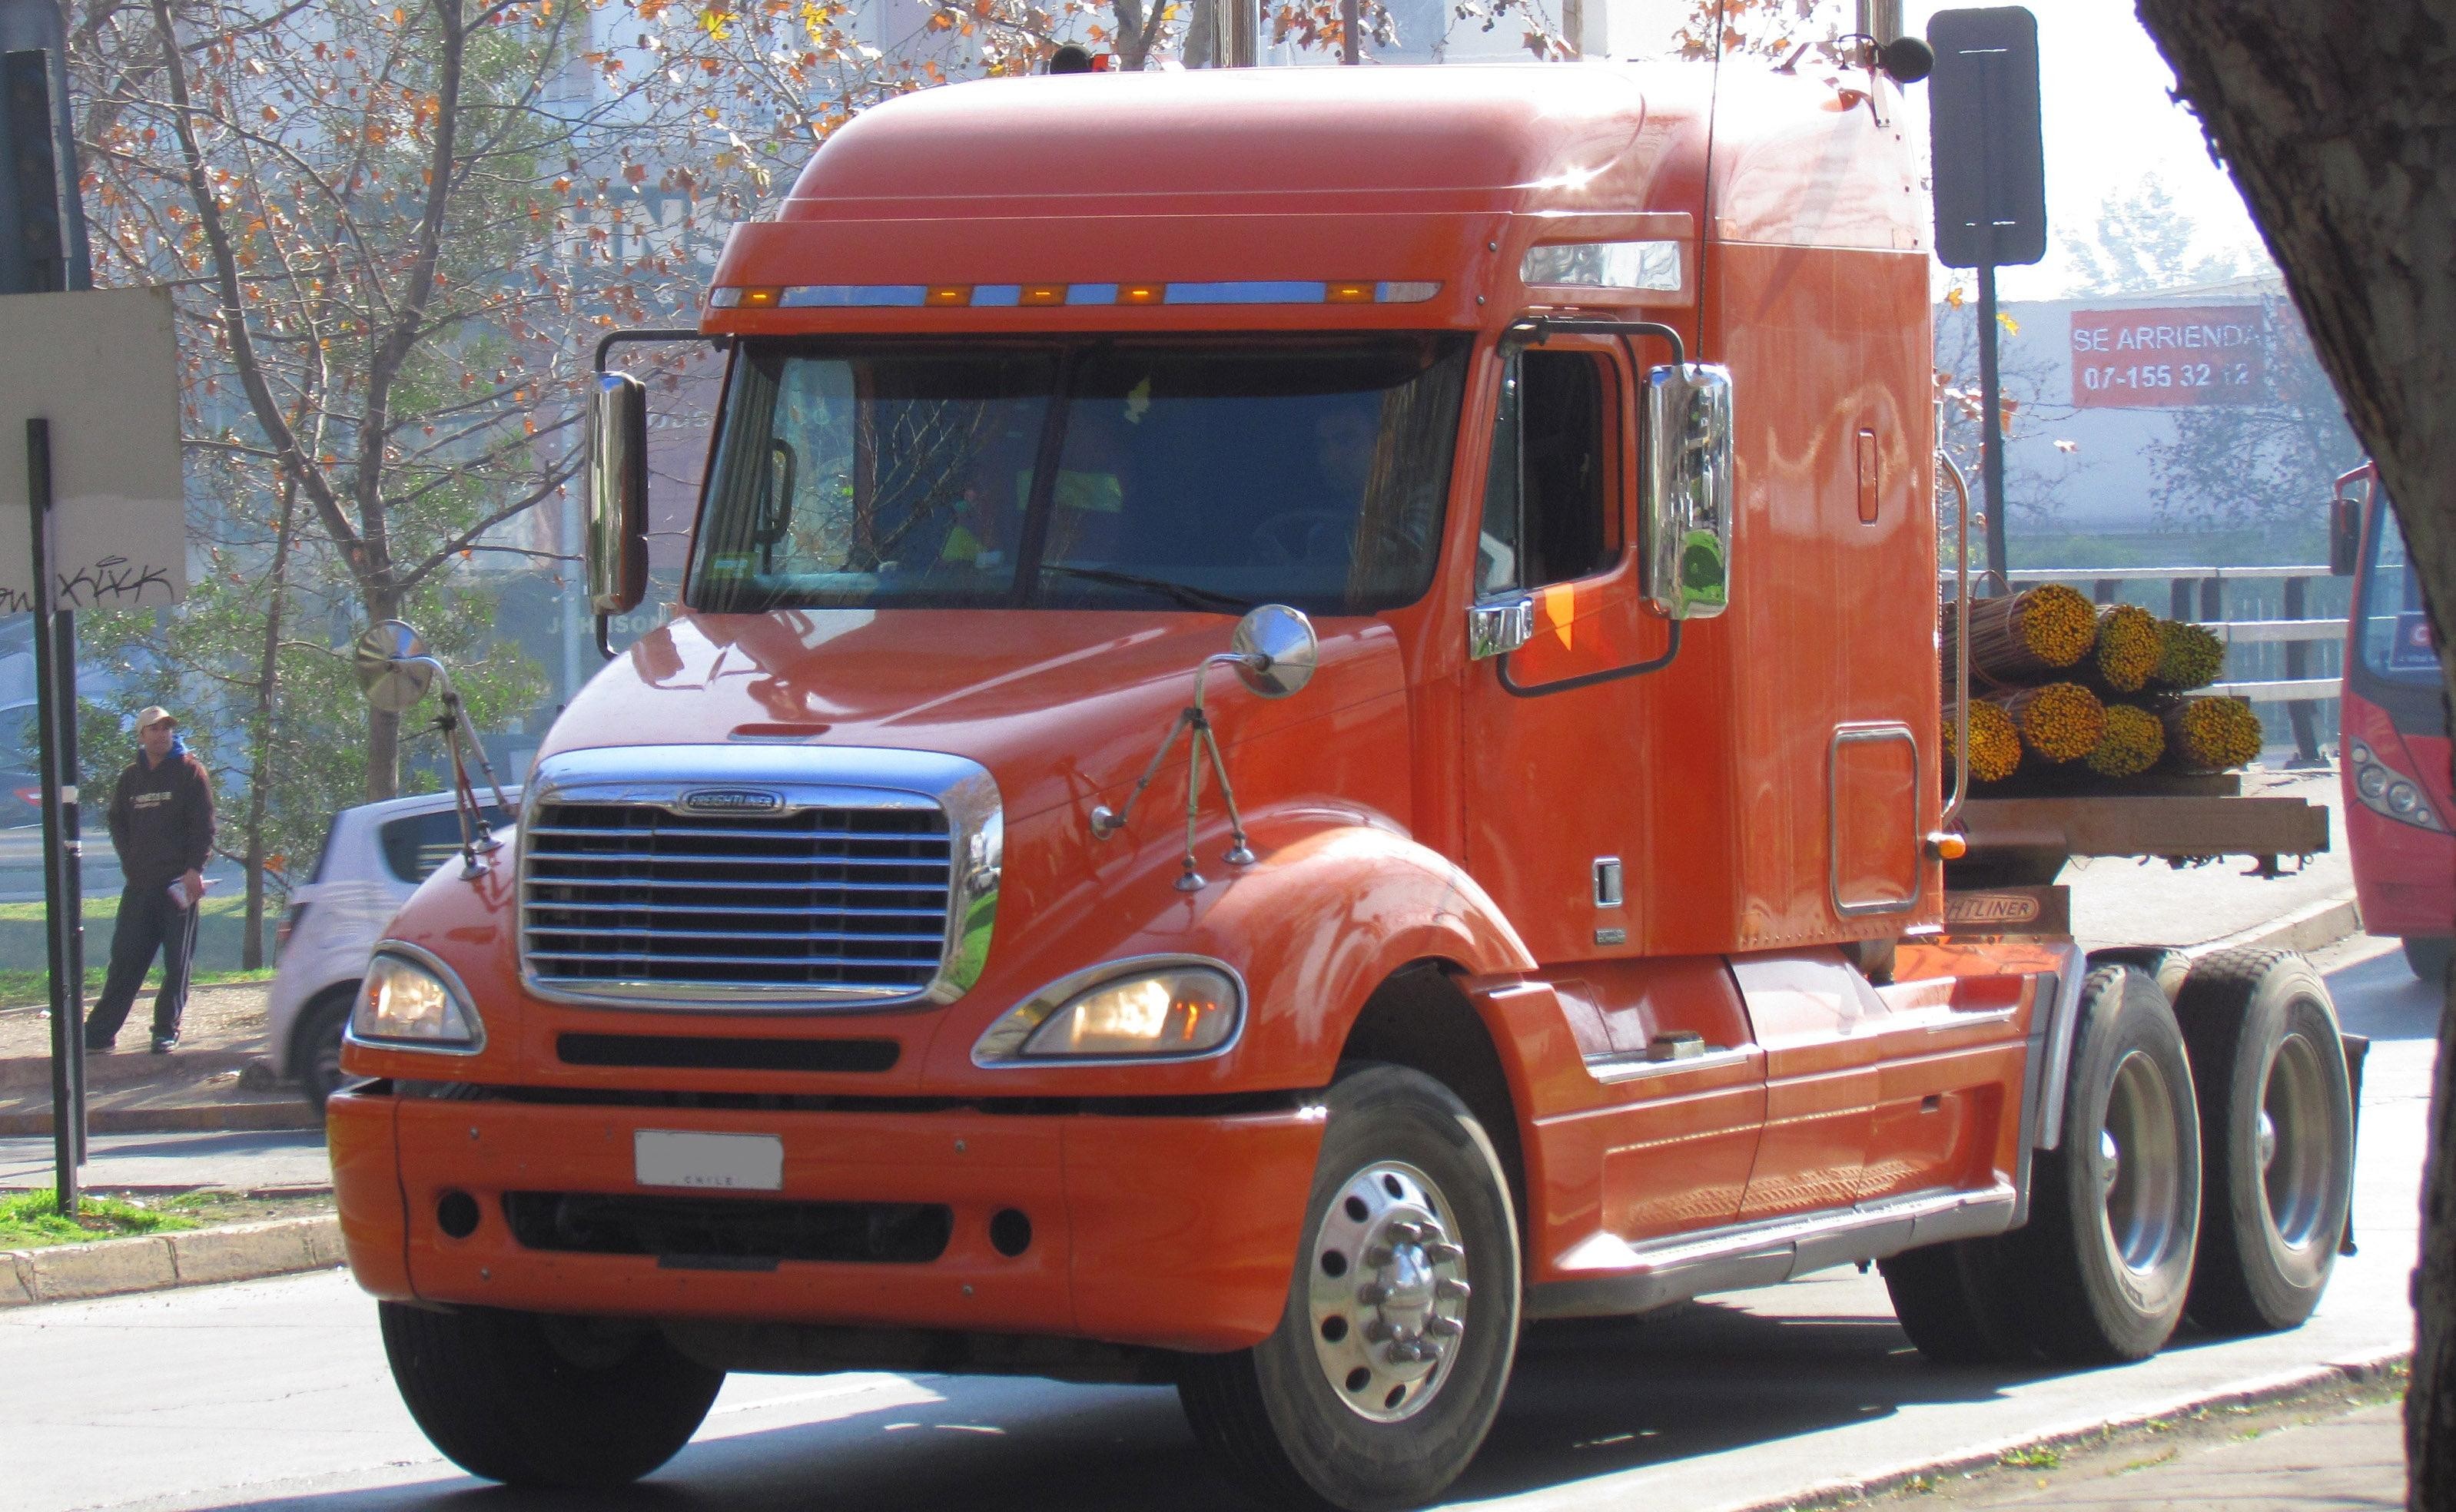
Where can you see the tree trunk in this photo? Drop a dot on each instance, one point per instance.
(2340, 127)
(383, 728)
(259, 735)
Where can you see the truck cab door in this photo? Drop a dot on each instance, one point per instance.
(1545, 774)
(1549, 782)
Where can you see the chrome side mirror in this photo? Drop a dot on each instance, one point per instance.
(394, 669)
(1274, 649)
(617, 494)
(1686, 503)
(1274, 652)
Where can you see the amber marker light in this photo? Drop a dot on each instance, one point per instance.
(1142, 293)
(761, 299)
(1948, 846)
(1348, 292)
(947, 295)
(1042, 294)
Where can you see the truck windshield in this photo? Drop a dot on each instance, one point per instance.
(1081, 474)
(2395, 639)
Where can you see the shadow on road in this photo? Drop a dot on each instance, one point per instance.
(1588, 1398)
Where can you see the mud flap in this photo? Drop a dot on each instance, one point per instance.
(2357, 1047)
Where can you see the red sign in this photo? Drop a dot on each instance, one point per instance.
(2179, 357)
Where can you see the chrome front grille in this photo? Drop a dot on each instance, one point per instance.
(721, 877)
(823, 899)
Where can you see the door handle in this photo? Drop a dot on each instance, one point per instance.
(1499, 626)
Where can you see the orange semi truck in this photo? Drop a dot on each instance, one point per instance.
(1302, 727)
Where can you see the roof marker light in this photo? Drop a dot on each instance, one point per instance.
(1047, 295)
(853, 295)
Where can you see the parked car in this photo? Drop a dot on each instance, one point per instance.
(374, 858)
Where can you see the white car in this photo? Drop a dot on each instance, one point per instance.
(374, 858)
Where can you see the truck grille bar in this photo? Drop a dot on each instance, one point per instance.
(823, 901)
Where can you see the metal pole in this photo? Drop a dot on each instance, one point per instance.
(1991, 456)
(1244, 33)
(1351, 48)
(59, 869)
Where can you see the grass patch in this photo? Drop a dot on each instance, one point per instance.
(30, 1219)
(32, 989)
(2042, 1458)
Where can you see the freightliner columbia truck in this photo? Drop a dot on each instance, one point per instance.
(1302, 727)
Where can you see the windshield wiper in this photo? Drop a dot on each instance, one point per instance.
(1184, 593)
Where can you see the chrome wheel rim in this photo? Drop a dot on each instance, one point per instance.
(2140, 1167)
(1388, 1291)
(2297, 1144)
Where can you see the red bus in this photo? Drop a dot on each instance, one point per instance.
(2399, 805)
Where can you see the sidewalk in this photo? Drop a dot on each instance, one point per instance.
(129, 1090)
(279, 1162)
(2349, 1457)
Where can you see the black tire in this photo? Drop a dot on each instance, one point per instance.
(2427, 954)
(2101, 1272)
(2164, 964)
(534, 1401)
(2277, 1118)
(316, 1043)
(1273, 1413)
(1953, 1301)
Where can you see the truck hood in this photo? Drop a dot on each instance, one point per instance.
(1059, 704)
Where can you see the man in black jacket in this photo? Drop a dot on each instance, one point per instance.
(162, 825)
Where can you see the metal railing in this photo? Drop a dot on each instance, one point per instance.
(2312, 645)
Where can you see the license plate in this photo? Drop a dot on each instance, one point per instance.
(673, 1158)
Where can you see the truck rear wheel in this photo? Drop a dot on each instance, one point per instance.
(530, 1400)
(2277, 1114)
(1389, 1363)
(2427, 955)
(2103, 1267)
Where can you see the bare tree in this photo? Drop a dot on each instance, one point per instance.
(2340, 137)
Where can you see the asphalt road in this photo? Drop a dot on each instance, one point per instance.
(274, 1394)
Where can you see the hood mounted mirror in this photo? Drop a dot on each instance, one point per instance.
(396, 671)
(1274, 653)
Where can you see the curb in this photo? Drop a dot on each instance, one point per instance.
(2309, 928)
(153, 1262)
(126, 1067)
(2282, 1387)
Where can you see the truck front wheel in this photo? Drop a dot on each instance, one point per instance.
(2277, 1110)
(1389, 1365)
(2104, 1265)
(530, 1400)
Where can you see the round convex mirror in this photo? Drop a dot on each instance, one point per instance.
(392, 667)
(1277, 649)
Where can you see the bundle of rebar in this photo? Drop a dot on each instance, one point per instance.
(2061, 721)
(2025, 637)
(2209, 733)
(2189, 656)
(2127, 648)
(2068, 696)
(2134, 740)
(1994, 744)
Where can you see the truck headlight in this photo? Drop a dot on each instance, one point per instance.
(1175, 1008)
(416, 1004)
